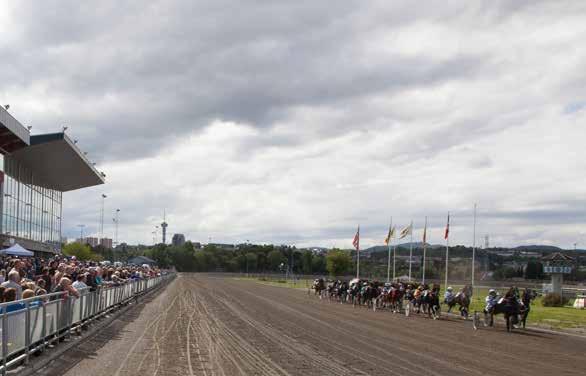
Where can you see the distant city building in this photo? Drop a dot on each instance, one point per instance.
(225, 247)
(92, 242)
(197, 245)
(106, 243)
(178, 239)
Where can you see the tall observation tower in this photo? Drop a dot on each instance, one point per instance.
(164, 227)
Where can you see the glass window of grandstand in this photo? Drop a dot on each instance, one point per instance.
(31, 210)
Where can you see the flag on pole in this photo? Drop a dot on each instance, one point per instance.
(447, 228)
(356, 241)
(425, 233)
(390, 235)
(406, 231)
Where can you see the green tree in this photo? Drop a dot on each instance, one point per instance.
(251, 261)
(533, 270)
(318, 264)
(275, 258)
(338, 262)
(82, 252)
(306, 261)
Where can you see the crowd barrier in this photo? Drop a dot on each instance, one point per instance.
(46, 319)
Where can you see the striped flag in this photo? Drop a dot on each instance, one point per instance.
(406, 231)
(390, 235)
(356, 241)
(447, 228)
(425, 232)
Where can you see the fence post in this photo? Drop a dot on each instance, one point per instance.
(68, 316)
(81, 299)
(27, 329)
(58, 316)
(44, 328)
(4, 342)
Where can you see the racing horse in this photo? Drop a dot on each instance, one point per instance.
(368, 295)
(396, 299)
(353, 293)
(431, 303)
(528, 296)
(318, 286)
(509, 307)
(462, 299)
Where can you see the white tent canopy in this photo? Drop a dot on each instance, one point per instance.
(16, 250)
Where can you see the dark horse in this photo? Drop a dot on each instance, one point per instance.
(318, 286)
(431, 301)
(528, 296)
(463, 300)
(509, 307)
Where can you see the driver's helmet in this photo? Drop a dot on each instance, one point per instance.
(492, 292)
(450, 288)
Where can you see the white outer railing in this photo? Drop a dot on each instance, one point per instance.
(47, 318)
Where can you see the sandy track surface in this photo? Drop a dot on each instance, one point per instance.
(204, 325)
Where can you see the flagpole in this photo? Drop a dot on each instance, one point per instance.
(389, 255)
(474, 247)
(358, 255)
(424, 249)
(447, 249)
(410, 251)
(394, 254)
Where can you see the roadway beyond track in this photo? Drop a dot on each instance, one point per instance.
(205, 325)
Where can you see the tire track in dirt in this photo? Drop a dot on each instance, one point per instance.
(227, 346)
(208, 326)
(433, 336)
(144, 333)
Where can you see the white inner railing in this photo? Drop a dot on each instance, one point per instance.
(45, 319)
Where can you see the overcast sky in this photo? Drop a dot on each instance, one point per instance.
(295, 121)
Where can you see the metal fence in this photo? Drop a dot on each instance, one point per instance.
(46, 319)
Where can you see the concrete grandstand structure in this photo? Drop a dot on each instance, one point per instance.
(34, 173)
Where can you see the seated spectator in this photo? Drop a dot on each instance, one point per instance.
(10, 296)
(2, 276)
(13, 282)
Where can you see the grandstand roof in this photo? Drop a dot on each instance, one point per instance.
(58, 162)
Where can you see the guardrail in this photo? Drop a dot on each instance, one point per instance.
(44, 320)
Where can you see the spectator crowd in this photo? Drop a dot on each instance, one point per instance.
(30, 277)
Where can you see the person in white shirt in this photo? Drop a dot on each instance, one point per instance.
(80, 282)
(14, 282)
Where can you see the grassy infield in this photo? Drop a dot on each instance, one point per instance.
(547, 317)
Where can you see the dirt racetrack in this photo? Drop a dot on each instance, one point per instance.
(206, 325)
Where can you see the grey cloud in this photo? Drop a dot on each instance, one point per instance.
(128, 73)
(136, 80)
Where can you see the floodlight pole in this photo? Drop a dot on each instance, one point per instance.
(473, 247)
(102, 216)
(81, 233)
(116, 221)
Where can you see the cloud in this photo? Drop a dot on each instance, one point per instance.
(295, 121)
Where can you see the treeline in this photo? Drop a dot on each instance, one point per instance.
(249, 258)
(255, 258)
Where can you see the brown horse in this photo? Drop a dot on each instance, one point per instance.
(462, 299)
